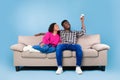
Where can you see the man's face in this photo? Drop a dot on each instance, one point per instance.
(66, 25)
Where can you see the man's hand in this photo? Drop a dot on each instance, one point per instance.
(82, 18)
(82, 21)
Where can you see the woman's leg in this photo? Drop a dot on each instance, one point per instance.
(42, 49)
(51, 49)
(27, 48)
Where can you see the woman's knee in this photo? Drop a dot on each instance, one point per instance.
(52, 49)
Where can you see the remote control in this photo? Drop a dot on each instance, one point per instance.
(82, 15)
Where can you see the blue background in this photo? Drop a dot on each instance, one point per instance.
(28, 17)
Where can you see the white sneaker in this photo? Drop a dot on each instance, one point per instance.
(78, 70)
(26, 48)
(33, 50)
(59, 70)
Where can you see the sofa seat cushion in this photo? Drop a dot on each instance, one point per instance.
(51, 55)
(66, 54)
(87, 53)
(28, 54)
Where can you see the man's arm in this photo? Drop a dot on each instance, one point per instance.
(83, 29)
(39, 34)
(82, 22)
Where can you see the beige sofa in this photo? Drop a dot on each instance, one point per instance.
(94, 53)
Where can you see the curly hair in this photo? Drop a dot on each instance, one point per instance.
(51, 27)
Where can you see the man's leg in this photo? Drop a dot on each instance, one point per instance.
(79, 54)
(59, 56)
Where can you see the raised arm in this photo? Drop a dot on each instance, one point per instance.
(83, 29)
(82, 18)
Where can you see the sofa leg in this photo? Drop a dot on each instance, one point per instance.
(102, 68)
(17, 68)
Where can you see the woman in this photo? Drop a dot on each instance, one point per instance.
(49, 41)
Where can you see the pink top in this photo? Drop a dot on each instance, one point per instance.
(49, 38)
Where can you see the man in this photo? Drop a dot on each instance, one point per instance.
(69, 42)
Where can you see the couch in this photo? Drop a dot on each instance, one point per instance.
(94, 53)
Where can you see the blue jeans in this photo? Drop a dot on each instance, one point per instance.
(45, 48)
(73, 47)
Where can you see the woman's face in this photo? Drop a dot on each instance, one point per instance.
(56, 27)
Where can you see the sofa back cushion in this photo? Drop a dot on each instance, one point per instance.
(86, 41)
(30, 40)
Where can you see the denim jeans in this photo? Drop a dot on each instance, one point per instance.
(45, 49)
(73, 47)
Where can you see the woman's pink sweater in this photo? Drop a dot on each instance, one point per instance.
(51, 39)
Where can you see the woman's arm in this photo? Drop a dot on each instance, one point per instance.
(46, 38)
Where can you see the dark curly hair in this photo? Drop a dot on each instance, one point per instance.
(51, 28)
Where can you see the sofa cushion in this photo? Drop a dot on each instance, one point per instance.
(87, 53)
(100, 47)
(51, 55)
(86, 41)
(17, 47)
(30, 40)
(66, 54)
(27, 54)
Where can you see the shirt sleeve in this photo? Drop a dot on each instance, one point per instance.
(46, 38)
(81, 33)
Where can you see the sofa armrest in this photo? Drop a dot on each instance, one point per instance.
(100, 47)
(17, 47)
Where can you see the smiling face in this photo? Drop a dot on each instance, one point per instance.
(56, 27)
(66, 25)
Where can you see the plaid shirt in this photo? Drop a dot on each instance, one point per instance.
(71, 37)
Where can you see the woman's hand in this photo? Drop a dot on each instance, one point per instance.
(42, 44)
